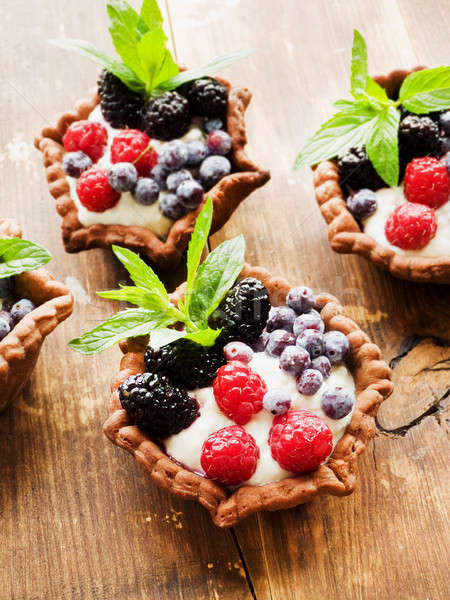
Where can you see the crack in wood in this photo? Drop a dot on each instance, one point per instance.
(244, 564)
(435, 410)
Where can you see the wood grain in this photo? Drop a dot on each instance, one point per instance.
(78, 519)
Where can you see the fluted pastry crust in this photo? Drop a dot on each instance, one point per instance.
(166, 254)
(20, 349)
(337, 477)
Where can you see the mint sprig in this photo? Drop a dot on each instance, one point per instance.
(147, 66)
(206, 286)
(372, 119)
(18, 256)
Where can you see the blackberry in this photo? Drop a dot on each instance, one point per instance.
(207, 97)
(418, 136)
(156, 406)
(167, 117)
(242, 313)
(186, 363)
(120, 106)
(356, 170)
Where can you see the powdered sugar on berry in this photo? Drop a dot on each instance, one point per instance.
(127, 211)
(388, 199)
(186, 446)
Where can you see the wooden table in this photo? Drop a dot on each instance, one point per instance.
(78, 519)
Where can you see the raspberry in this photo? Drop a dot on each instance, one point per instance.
(238, 391)
(128, 145)
(94, 191)
(427, 182)
(411, 226)
(87, 136)
(300, 441)
(230, 455)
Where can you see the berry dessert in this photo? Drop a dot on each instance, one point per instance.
(384, 181)
(231, 400)
(32, 304)
(132, 164)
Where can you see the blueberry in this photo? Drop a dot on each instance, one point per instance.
(219, 142)
(20, 309)
(445, 148)
(444, 122)
(335, 346)
(6, 286)
(322, 364)
(281, 317)
(277, 402)
(261, 342)
(301, 299)
(173, 155)
(190, 194)
(6, 316)
(309, 320)
(312, 341)
(362, 204)
(294, 360)
(159, 174)
(213, 125)
(146, 191)
(176, 178)
(74, 163)
(122, 176)
(213, 169)
(5, 327)
(238, 351)
(336, 403)
(171, 207)
(309, 382)
(278, 340)
(197, 152)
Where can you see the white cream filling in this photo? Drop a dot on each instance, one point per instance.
(388, 199)
(127, 211)
(186, 446)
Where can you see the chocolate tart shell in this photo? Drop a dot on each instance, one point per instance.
(19, 350)
(337, 477)
(166, 254)
(345, 234)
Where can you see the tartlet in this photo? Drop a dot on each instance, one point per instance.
(166, 254)
(337, 477)
(19, 350)
(344, 232)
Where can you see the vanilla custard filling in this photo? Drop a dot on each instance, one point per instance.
(186, 446)
(127, 211)
(388, 199)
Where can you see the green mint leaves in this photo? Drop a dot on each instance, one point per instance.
(206, 286)
(372, 119)
(18, 256)
(147, 66)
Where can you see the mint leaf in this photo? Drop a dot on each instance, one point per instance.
(196, 244)
(208, 69)
(163, 336)
(214, 278)
(205, 337)
(18, 256)
(150, 16)
(427, 90)
(127, 323)
(90, 51)
(359, 65)
(156, 61)
(141, 274)
(382, 145)
(374, 90)
(143, 298)
(345, 129)
(125, 35)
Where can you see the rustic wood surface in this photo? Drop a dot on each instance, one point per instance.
(78, 519)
